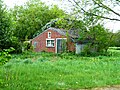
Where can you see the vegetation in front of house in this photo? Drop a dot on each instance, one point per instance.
(36, 71)
(5, 55)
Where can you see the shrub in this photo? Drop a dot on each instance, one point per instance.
(26, 46)
(16, 44)
(5, 56)
(93, 50)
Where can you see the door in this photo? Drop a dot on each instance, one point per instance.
(61, 45)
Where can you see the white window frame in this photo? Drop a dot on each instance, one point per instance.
(49, 34)
(50, 43)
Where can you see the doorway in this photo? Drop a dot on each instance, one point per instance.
(61, 45)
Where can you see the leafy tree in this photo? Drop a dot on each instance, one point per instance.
(31, 17)
(117, 39)
(7, 39)
(100, 38)
(5, 23)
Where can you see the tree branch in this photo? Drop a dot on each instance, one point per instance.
(94, 13)
(100, 4)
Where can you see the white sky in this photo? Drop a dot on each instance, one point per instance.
(112, 25)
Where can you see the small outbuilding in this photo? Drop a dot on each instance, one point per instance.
(56, 40)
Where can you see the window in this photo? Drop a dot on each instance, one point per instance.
(35, 44)
(49, 34)
(50, 43)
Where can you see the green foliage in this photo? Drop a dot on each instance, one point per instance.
(30, 18)
(5, 56)
(99, 40)
(7, 39)
(91, 13)
(115, 48)
(97, 37)
(50, 72)
(68, 22)
(101, 37)
(117, 39)
(16, 44)
(26, 46)
(47, 25)
(5, 25)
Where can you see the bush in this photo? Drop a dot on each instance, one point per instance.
(93, 50)
(5, 56)
(16, 44)
(26, 46)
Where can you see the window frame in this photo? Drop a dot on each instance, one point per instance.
(50, 42)
(49, 34)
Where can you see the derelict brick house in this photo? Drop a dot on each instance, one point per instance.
(51, 40)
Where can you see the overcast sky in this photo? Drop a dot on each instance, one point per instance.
(112, 25)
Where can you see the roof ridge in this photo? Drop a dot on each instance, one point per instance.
(60, 31)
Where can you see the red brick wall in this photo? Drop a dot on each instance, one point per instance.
(71, 46)
(41, 41)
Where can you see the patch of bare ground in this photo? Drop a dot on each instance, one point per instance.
(113, 87)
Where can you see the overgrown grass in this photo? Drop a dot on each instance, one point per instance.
(47, 71)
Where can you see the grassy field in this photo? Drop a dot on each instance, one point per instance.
(47, 71)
